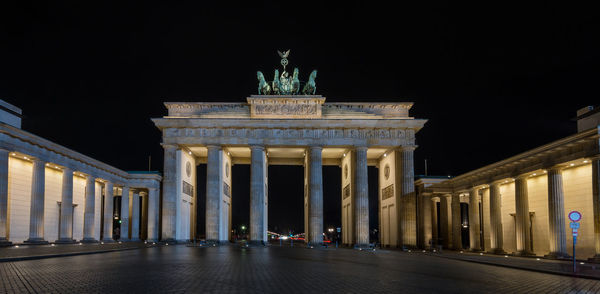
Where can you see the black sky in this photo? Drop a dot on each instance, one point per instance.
(494, 80)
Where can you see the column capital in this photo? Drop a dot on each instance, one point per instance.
(260, 147)
(357, 148)
(169, 146)
(218, 147)
(315, 147)
(407, 148)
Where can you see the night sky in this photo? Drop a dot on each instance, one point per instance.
(493, 80)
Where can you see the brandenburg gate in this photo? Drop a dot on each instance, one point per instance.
(284, 127)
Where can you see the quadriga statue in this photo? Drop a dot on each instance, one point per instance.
(263, 86)
(311, 86)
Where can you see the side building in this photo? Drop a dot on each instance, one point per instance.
(49, 193)
(520, 205)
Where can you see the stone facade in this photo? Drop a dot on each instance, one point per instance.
(298, 130)
(521, 203)
(50, 193)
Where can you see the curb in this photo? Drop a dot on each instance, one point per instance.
(584, 276)
(34, 257)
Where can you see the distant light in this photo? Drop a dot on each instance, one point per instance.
(25, 157)
(505, 255)
(461, 251)
(190, 152)
(384, 154)
(344, 154)
(80, 243)
(545, 171)
(534, 174)
(228, 153)
(582, 263)
(102, 243)
(481, 253)
(13, 154)
(51, 244)
(537, 259)
(409, 250)
(167, 244)
(572, 164)
(16, 246)
(423, 251)
(448, 176)
(284, 237)
(586, 161)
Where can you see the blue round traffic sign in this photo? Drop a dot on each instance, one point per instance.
(575, 216)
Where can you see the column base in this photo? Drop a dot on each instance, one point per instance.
(497, 251)
(65, 241)
(4, 242)
(136, 240)
(152, 241)
(475, 250)
(255, 243)
(523, 253)
(107, 241)
(596, 258)
(89, 240)
(36, 241)
(557, 255)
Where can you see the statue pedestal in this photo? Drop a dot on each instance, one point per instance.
(285, 106)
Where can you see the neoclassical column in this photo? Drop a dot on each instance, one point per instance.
(135, 216)
(596, 204)
(153, 211)
(474, 225)
(408, 219)
(496, 232)
(36, 218)
(90, 210)
(213, 193)
(169, 201)
(426, 233)
(361, 200)
(124, 214)
(257, 193)
(434, 222)
(456, 222)
(66, 208)
(557, 235)
(108, 212)
(445, 221)
(315, 195)
(522, 224)
(4, 197)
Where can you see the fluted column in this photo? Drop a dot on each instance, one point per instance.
(408, 223)
(361, 200)
(125, 214)
(456, 223)
(426, 221)
(108, 212)
(474, 226)
(446, 221)
(522, 224)
(596, 204)
(315, 209)
(66, 208)
(153, 214)
(557, 235)
(434, 222)
(496, 232)
(169, 201)
(135, 216)
(257, 194)
(4, 197)
(90, 210)
(36, 219)
(213, 192)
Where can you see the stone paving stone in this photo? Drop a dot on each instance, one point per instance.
(532, 263)
(230, 269)
(41, 250)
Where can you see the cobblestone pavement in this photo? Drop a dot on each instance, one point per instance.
(584, 268)
(40, 251)
(230, 269)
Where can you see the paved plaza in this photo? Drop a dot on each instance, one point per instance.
(231, 269)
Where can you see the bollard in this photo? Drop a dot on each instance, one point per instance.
(292, 240)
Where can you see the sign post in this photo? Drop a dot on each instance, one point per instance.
(575, 217)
